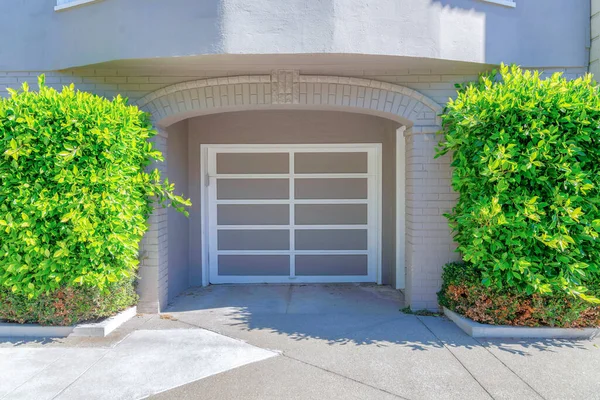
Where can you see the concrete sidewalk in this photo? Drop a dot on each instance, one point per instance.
(145, 362)
(296, 342)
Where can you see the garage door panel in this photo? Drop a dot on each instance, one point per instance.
(331, 239)
(331, 265)
(330, 163)
(331, 214)
(332, 188)
(254, 265)
(253, 214)
(292, 213)
(252, 239)
(253, 189)
(253, 163)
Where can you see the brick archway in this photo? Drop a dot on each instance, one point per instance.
(290, 90)
(424, 245)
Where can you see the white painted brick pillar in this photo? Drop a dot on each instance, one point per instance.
(154, 252)
(429, 243)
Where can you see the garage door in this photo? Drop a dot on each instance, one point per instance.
(299, 213)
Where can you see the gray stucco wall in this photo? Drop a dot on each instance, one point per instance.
(178, 224)
(536, 33)
(291, 127)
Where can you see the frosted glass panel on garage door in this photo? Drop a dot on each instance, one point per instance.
(292, 213)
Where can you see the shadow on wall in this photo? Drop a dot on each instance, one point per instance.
(527, 34)
(348, 315)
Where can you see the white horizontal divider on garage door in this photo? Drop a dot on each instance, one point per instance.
(292, 213)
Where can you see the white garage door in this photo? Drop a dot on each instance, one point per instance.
(292, 213)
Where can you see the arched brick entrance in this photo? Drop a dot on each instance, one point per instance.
(423, 184)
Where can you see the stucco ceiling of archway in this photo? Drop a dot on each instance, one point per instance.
(305, 63)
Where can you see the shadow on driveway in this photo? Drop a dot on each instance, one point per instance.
(336, 314)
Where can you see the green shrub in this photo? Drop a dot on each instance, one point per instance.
(68, 305)
(74, 200)
(526, 165)
(463, 293)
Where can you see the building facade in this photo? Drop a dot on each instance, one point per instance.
(303, 131)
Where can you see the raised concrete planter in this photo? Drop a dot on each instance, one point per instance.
(477, 330)
(103, 328)
(96, 329)
(32, 330)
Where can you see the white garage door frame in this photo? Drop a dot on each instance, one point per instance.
(209, 249)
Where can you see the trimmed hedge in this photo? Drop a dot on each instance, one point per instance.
(526, 164)
(463, 293)
(75, 195)
(68, 305)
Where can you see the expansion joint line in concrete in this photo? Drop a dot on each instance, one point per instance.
(94, 363)
(344, 376)
(511, 370)
(469, 372)
(33, 376)
(441, 342)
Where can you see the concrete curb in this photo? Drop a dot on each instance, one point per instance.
(33, 330)
(97, 329)
(104, 327)
(478, 330)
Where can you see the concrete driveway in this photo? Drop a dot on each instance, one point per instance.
(296, 342)
(351, 341)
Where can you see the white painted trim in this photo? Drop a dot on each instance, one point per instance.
(233, 279)
(73, 4)
(379, 205)
(292, 233)
(400, 208)
(296, 201)
(287, 176)
(290, 252)
(208, 174)
(505, 3)
(211, 206)
(277, 148)
(203, 219)
(286, 226)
